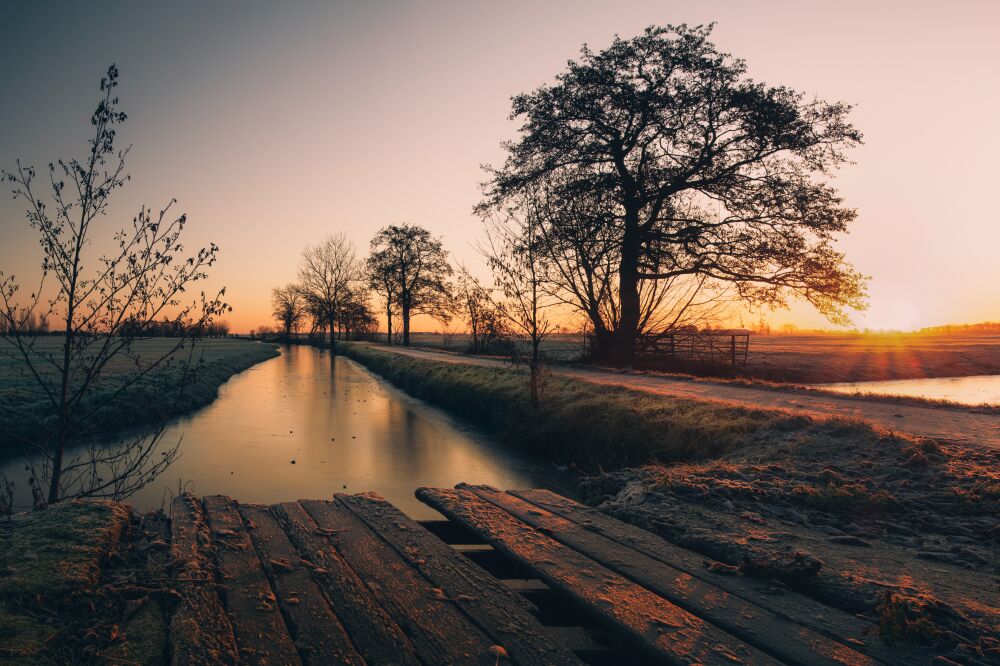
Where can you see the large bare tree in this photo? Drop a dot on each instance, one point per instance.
(327, 274)
(413, 267)
(103, 303)
(579, 250)
(703, 171)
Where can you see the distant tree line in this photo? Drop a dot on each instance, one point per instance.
(982, 327)
(26, 322)
(167, 328)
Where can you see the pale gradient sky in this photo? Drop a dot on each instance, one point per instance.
(275, 124)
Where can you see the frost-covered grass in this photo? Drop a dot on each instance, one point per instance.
(50, 557)
(23, 403)
(593, 426)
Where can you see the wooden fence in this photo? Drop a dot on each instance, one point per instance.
(727, 346)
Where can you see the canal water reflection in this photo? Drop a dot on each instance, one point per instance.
(299, 426)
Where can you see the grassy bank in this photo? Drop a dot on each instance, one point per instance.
(595, 427)
(154, 398)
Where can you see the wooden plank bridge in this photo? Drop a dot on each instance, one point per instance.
(525, 577)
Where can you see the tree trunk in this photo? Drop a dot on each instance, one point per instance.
(57, 460)
(388, 326)
(406, 324)
(603, 339)
(332, 343)
(533, 377)
(623, 346)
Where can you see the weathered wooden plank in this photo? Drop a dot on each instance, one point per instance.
(839, 625)
(747, 621)
(439, 631)
(200, 631)
(317, 631)
(662, 629)
(501, 613)
(261, 634)
(377, 638)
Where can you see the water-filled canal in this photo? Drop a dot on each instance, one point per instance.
(305, 426)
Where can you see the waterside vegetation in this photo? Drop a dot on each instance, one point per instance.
(590, 426)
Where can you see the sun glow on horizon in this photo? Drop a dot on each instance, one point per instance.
(892, 314)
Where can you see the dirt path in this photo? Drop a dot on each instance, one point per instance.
(953, 424)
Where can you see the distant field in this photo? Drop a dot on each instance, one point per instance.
(820, 358)
(854, 358)
(154, 398)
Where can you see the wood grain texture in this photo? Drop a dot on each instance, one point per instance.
(200, 631)
(261, 635)
(505, 615)
(378, 639)
(747, 621)
(317, 631)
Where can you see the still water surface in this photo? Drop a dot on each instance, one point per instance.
(977, 390)
(346, 431)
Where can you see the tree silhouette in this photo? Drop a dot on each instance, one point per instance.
(410, 268)
(288, 307)
(512, 250)
(102, 304)
(702, 171)
(327, 273)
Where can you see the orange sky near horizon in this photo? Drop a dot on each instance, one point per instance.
(275, 125)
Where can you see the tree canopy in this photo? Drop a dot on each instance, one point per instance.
(697, 170)
(410, 268)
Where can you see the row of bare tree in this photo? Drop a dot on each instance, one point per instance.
(25, 320)
(408, 272)
(330, 294)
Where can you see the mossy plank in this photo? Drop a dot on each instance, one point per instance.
(58, 550)
(144, 638)
(22, 637)
(50, 558)
(200, 631)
